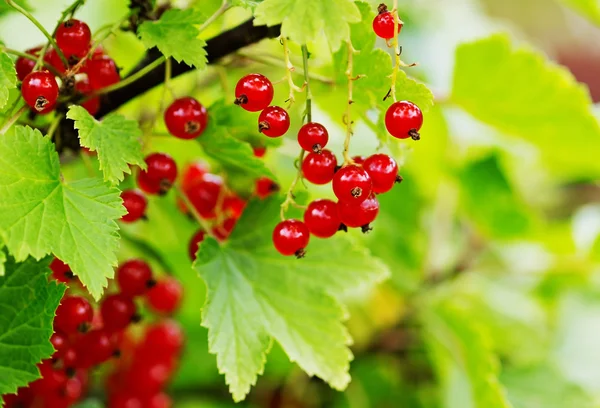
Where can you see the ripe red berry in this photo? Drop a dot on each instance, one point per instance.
(291, 237)
(224, 230)
(23, 398)
(125, 399)
(404, 119)
(51, 380)
(313, 137)
(135, 203)
(118, 311)
(358, 160)
(383, 24)
(61, 271)
(95, 348)
(164, 339)
(40, 91)
(204, 195)
(24, 66)
(73, 38)
(74, 314)
(234, 206)
(59, 341)
(321, 218)
(165, 296)
(193, 173)
(53, 59)
(319, 168)
(197, 238)
(265, 187)
(84, 88)
(254, 92)
(134, 277)
(160, 174)
(259, 151)
(352, 184)
(160, 400)
(148, 376)
(383, 171)
(102, 72)
(359, 215)
(274, 121)
(186, 118)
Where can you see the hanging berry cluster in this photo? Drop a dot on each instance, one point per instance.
(81, 68)
(87, 337)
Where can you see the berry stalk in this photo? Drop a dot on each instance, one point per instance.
(289, 69)
(224, 7)
(203, 224)
(351, 79)
(396, 46)
(32, 58)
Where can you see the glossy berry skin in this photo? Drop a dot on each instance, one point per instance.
(84, 88)
(359, 215)
(313, 137)
(259, 151)
(322, 219)
(234, 206)
(160, 174)
(52, 380)
(61, 271)
(358, 159)
(134, 277)
(102, 72)
(224, 230)
(404, 119)
(383, 171)
(273, 121)
(204, 195)
(160, 400)
(186, 118)
(291, 237)
(254, 92)
(125, 399)
(74, 314)
(40, 91)
(352, 184)
(383, 25)
(149, 376)
(24, 66)
(135, 203)
(95, 348)
(118, 311)
(53, 59)
(73, 38)
(319, 168)
(60, 342)
(197, 238)
(265, 187)
(165, 296)
(193, 173)
(163, 339)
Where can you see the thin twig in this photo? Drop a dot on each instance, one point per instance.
(348, 116)
(397, 61)
(224, 7)
(289, 69)
(273, 61)
(13, 119)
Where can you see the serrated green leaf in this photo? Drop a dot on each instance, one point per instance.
(28, 302)
(176, 35)
(249, 4)
(520, 92)
(587, 8)
(232, 153)
(40, 214)
(255, 296)
(8, 77)
(305, 20)
(115, 138)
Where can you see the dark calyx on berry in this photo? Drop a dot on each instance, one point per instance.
(414, 134)
(241, 100)
(382, 8)
(366, 228)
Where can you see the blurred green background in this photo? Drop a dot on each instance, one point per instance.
(492, 239)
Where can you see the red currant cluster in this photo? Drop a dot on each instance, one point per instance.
(85, 338)
(40, 89)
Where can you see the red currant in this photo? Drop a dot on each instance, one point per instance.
(259, 151)
(73, 38)
(321, 218)
(74, 314)
(383, 24)
(24, 66)
(352, 184)
(193, 173)
(40, 91)
(125, 399)
(234, 206)
(204, 196)
(186, 118)
(165, 296)
(358, 160)
(51, 380)
(60, 342)
(61, 271)
(53, 59)
(150, 375)
(404, 119)
(160, 174)
(254, 92)
(223, 231)
(84, 88)
(135, 203)
(265, 187)
(359, 215)
(134, 277)
(313, 137)
(383, 171)
(195, 243)
(164, 339)
(95, 348)
(291, 237)
(274, 121)
(160, 400)
(319, 168)
(102, 72)
(118, 311)
(23, 398)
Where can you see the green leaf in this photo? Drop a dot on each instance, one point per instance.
(116, 139)
(587, 8)
(249, 4)
(256, 296)
(520, 92)
(27, 305)
(2, 261)
(5, 8)
(306, 20)
(8, 77)
(40, 214)
(176, 35)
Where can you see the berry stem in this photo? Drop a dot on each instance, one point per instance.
(273, 61)
(203, 224)
(289, 69)
(224, 7)
(11, 121)
(31, 18)
(305, 57)
(32, 58)
(348, 118)
(396, 45)
(53, 126)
